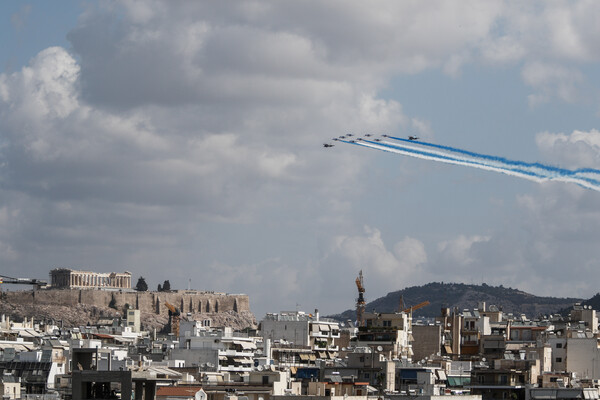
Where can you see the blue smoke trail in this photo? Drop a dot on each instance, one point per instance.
(585, 177)
(502, 159)
(455, 160)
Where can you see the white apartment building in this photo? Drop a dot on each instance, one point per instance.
(309, 336)
(214, 350)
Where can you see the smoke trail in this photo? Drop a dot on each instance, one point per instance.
(585, 177)
(562, 171)
(448, 159)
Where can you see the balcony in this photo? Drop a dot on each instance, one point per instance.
(320, 345)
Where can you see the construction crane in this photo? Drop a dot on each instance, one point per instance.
(360, 302)
(416, 307)
(37, 283)
(174, 317)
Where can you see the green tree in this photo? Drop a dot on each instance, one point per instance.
(141, 285)
(166, 286)
(159, 289)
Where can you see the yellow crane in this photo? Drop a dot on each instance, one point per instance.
(360, 302)
(416, 307)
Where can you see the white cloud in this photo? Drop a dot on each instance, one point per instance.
(576, 150)
(387, 269)
(551, 81)
(458, 251)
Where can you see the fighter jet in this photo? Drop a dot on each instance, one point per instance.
(413, 138)
(368, 134)
(328, 145)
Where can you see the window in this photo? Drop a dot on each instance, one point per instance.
(558, 359)
(366, 375)
(559, 345)
(387, 323)
(503, 379)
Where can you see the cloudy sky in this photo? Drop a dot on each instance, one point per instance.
(182, 140)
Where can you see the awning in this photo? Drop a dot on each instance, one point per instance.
(441, 374)
(312, 357)
(448, 349)
(293, 370)
(248, 345)
(455, 381)
(304, 357)
(411, 338)
(324, 327)
(590, 394)
(322, 355)
(222, 357)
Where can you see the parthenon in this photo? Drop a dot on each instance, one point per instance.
(65, 278)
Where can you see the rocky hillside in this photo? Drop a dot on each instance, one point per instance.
(463, 296)
(84, 314)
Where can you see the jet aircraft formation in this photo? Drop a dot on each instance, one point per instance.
(413, 146)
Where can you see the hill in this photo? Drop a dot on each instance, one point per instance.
(462, 296)
(76, 307)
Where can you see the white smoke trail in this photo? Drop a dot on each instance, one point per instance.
(588, 178)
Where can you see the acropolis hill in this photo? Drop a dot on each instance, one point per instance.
(82, 306)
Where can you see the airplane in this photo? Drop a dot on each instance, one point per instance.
(328, 145)
(335, 138)
(384, 135)
(349, 134)
(353, 141)
(377, 140)
(368, 134)
(413, 138)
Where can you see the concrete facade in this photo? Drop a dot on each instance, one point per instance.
(428, 340)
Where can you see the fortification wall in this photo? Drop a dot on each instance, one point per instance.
(147, 302)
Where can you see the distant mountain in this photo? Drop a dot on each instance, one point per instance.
(463, 296)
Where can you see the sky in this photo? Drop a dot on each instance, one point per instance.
(182, 140)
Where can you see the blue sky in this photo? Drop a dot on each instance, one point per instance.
(184, 141)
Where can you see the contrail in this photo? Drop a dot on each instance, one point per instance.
(585, 177)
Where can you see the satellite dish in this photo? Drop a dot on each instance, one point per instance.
(260, 368)
(379, 348)
(343, 349)
(209, 365)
